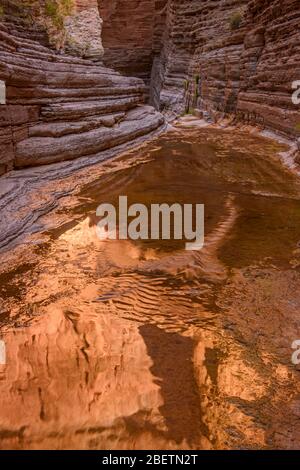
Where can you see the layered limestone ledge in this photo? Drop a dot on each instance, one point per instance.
(61, 107)
(84, 30)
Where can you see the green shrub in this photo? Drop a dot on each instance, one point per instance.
(57, 10)
(1, 11)
(190, 111)
(235, 20)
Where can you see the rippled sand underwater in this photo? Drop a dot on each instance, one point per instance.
(143, 345)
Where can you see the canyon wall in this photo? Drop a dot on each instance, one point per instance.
(222, 58)
(70, 25)
(61, 107)
(83, 30)
(132, 34)
(229, 57)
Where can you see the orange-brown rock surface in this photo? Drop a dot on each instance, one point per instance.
(113, 344)
(245, 68)
(235, 57)
(61, 107)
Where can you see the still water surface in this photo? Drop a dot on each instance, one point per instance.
(128, 345)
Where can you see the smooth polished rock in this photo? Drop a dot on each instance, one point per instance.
(61, 107)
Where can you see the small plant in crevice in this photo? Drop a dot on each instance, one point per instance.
(235, 20)
(1, 11)
(297, 127)
(58, 10)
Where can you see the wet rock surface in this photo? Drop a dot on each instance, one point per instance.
(123, 344)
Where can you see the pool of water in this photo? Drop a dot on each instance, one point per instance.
(123, 344)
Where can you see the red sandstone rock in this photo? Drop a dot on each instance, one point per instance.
(61, 107)
(83, 30)
(247, 72)
(188, 51)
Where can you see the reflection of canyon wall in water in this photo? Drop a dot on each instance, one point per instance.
(82, 375)
(71, 379)
(117, 344)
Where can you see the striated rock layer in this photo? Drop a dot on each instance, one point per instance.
(61, 107)
(132, 34)
(235, 57)
(71, 25)
(232, 57)
(225, 57)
